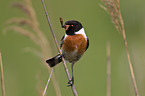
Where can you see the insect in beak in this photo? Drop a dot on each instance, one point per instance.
(65, 26)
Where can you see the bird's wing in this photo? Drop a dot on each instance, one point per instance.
(61, 41)
(87, 44)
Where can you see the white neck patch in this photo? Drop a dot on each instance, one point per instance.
(81, 31)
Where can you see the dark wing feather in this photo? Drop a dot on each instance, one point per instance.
(61, 41)
(87, 44)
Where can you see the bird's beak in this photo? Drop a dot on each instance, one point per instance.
(65, 26)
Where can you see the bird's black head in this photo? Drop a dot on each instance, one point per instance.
(72, 26)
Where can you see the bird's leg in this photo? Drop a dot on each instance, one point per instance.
(71, 82)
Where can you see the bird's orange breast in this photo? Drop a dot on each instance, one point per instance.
(75, 42)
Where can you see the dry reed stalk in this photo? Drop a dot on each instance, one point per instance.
(23, 32)
(28, 10)
(66, 69)
(2, 76)
(36, 35)
(48, 82)
(108, 88)
(113, 9)
(21, 21)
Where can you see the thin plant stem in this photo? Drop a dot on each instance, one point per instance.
(48, 82)
(2, 76)
(113, 8)
(127, 52)
(50, 26)
(128, 57)
(108, 88)
(66, 69)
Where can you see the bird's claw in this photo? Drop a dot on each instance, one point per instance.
(70, 82)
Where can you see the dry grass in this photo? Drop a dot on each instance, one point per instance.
(113, 8)
(36, 35)
(108, 88)
(2, 76)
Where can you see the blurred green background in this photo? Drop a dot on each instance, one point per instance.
(24, 72)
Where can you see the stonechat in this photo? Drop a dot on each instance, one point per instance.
(73, 45)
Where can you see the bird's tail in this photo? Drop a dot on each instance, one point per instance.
(54, 60)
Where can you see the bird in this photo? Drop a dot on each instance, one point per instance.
(73, 45)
